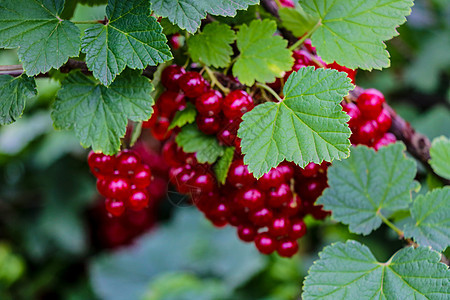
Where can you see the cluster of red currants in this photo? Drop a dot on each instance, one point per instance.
(122, 179)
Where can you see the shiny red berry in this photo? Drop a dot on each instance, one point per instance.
(386, 139)
(366, 133)
(142, 177)
(100, 163)
(138, 200)
(236, 104)
(169, 102)
(192, 84)
(114, 207)
(273, 178)
(279, 226)
(117, 188)
(312, 188)
(209, 103)
(384, 121)
(297, 229)
(353, 111)
(261, 217)
(170, 77)
(292, 207)
(128, 161)
(208, 124)
(310, 170)
(251, 198)
(279, 195)
(238, 174)
(161, 129)
(287, 247)
(246, 232)
(370, 103)
(203, 183)
(265, 243)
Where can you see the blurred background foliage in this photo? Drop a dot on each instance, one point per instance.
(51, 234)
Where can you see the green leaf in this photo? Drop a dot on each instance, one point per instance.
(131, 38)
(353, 32)
(430, 222)
(168, 27)
(222, 166)
(44, 40)
(297, 20)
(350, 271)
(369, 185)
(440, 156)
(307, 126)
(212, 45)
(187, 14)
(263, 55)
(99, 115)
(205, 147)
(183, 117)
(13, 94)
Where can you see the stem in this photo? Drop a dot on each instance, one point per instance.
(88, 22)
(270, 90)
(391, 225)
(214, 80)
(305, 36)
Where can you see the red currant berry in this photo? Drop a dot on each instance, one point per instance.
(386, 139)
(100, 163)
(384, 121)
(170, 102)
(183, 180)
(251, 198)
(280, 195)
(152, 121)
(117, 188)
(236, 104)
(273, 178)
(279, 226)
(127, 161)
(208, 125)
(138, 200)
(192, 84)
(366, 133)
(176, 41)
(114, 207)
(370, 103)
(350, 73)
(308, 46)
(170, 77)
(310, 170)
(217, 222)
(297, 229)
(246, 233)
(161, 129)
(261, 217)
(287, 247)
(318, 213)
(265, 243)
(102, 187)
(291, 208)
(170, 153)
(142, 177)
(209, 104)
(226, 137)
(203, 183)
(353, 111)
(311, 189)
(218, 210)
(238, 174)
(287, 170)
(287, 3)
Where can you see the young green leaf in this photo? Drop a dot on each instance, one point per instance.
(352, 33)
(369, 186)
(350, 271)
(430, 223)
(263, 56)
(183, 117)
(13, 93)
(440, 156)
(307, 126)
(99, 115)
(212, 45)
(130, 38)
(205, 147)
(44, 40)
(187, 14)
(297, 20)
(222, 166)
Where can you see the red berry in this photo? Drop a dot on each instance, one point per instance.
(220, 222)
(370, 103)
(287, 170)
(310, 170)
(280, 195)
(246, 233)
(127, 161)
(273, 178)
(138, 200)
(236, 104)
(386, 139)
(176, 41)
(171, 154)
(100, 163)
(297, 229)
(287, 247)
(209, 103)
(251, 198)
(208, 125)
(192, 84)
(204, 183)
(350, 73)
(291, 208)
(218, 210)
(114, 207)
(169, 102)
(182, 181)
(238, 174)
(142, 177)
(117, 188)
(279, 226)
(307, 44)
(170, 77)
(102, 187)
(366, 133)
(318, 213)
(261, 217)
(265, 243)
(161, 129)
(311, 189)
(226, 137)
(384, 121)
(152, 121)
(353, 111)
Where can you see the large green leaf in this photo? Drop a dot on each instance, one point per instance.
(45, 41)
(297, 20)
(353, 31)
(430, 219)
(307, 126)
(263, 55)
(13, 93)
(130, 38)
(212, 45)
(368, 186)
(350, 271)
(205, 147)
(187, 14)
(99, 115)
(440, 156)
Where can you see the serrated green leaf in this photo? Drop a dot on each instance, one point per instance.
(131, 38)
(369, 185)
(212, 45)
(353, 32)
(99, 115)
(45, 41)
(205, 147)
(13, 93)
(168, 27)
(187, 14)
(430, 222)
(183, 117)
(307, 126)
(440, 156)
(297, 20)
(223, 164)
(350, 271)
(263, 55)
